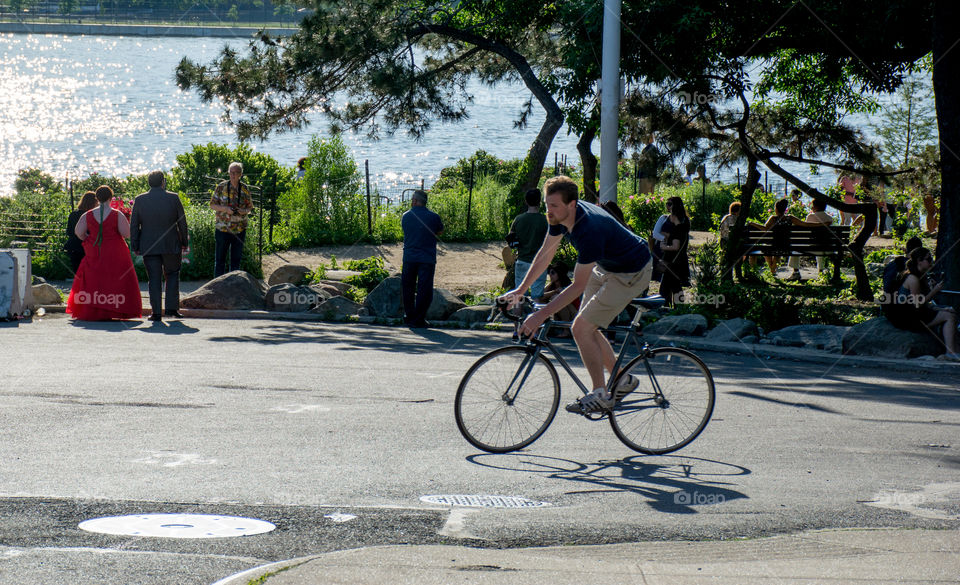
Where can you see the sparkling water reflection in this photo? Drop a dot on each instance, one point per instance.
(82, 104)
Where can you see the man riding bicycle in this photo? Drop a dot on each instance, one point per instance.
(613, 267)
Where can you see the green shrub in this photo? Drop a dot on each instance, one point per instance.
(126, 188)
(327, 205)
(484, 165)
(198, 171)
(490, 213)
(642, 210)
(371, 272)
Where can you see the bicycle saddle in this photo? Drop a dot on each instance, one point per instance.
(649, 302)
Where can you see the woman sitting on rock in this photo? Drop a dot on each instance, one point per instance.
(912, 309)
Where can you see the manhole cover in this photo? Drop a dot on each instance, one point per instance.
(483, 501)
(177, 526)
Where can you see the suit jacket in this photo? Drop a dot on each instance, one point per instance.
(157, 223)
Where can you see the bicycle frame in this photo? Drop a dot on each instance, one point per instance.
(539, 342)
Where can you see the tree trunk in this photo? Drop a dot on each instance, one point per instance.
(589, 162)
(731, 255)
(946, 87)
(537, 155)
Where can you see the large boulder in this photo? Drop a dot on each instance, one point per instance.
(444, 304)
(878, 337)
(326, 290)
(340, 286)
(46, 294)
(736, 329)
(293, 299)
(232, 291)
(289, 273)
(474, 314)
(338, 308)
(693, 324)
(825, 337)
(385, 300)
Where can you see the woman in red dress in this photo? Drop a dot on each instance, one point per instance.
(105, 286)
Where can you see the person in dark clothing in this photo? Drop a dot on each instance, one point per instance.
(912, 309)
(649, 171)
(420, 230)
(892, 274)
(676, 264)
(74, 245)
(530, 228)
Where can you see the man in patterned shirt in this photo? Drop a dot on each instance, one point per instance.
(232, 203)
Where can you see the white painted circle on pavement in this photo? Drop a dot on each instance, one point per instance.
(177, 526)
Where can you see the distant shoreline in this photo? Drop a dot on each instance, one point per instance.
(142, 30)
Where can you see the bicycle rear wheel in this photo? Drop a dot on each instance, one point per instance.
(657, 423)
(507, 399)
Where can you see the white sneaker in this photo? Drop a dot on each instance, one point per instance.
(795, 275)
(596, 401)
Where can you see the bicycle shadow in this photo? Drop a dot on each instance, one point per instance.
(674, 484)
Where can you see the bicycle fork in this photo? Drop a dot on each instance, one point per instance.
(520, 377)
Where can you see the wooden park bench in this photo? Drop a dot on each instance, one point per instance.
(792, 240)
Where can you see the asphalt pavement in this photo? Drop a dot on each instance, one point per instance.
(814, 468)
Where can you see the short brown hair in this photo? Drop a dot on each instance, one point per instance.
(104, 193)
(563, 185)
(155, 178)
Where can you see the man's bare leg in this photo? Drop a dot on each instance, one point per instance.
(595, 350)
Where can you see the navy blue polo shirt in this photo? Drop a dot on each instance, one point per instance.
(420, 229)
(599, 237)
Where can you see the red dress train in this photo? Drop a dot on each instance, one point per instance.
(105, 287)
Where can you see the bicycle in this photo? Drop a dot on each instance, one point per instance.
(508, 398)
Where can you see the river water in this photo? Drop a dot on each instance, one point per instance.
(106, 104)
(74, 105)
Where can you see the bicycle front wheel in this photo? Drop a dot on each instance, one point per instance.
(670, 406)
(507, 399)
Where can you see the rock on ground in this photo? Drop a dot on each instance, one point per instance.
(878, 337)
(339, 307)
(46, 294)
(825, 337)
(235, 290)
(736, 329)
(290, 298)
(289, 273)
(691, 325)
(474, 314)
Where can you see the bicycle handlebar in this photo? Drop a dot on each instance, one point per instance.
(515, 314)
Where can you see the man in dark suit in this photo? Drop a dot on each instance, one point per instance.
(158, 231)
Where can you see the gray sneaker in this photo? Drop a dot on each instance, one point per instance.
(626, 385)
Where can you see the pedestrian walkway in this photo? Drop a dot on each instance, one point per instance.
(878, 557)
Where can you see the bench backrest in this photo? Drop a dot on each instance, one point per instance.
(796, 240)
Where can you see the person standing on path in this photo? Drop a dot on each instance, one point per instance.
(105, 287)
(74, 245)
(420, 230)
(531, 229)
(649, 166)
(233, 204)
(158, 232)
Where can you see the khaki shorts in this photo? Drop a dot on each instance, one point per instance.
(608, 293)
